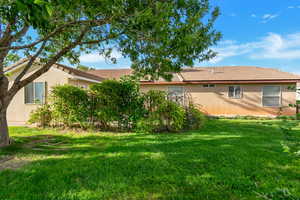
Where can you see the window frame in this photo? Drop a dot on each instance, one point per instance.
(234, 97)
(280, 96)
(34, 94)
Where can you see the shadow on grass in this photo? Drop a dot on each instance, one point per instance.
(225, 160)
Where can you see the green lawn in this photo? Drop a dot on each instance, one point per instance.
(227, 159)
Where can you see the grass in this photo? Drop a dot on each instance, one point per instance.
(227, 159)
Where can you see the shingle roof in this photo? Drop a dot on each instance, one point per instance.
(111, 73)
(235, 73)
(118, 73)
(226, 73)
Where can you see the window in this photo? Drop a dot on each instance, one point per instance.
(209, 85)
(176, 94)
(35, 93)
(234, 92)
(271, 96)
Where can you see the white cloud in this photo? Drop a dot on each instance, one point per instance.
(96, 57)
(268, 17)
(253, 15)
(292, 7)
(230, 48)
(272, 46)
(232, 15)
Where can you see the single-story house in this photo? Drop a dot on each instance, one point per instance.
(227, 91)
(30, 97)
(218, 91)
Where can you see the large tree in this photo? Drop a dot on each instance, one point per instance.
(159, 36)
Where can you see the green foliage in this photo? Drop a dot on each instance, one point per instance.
(171, 116)
(42, 116)
(117, 101)
(153, 99)
(157, 36)
(70, 105)
(119, 105)
(194, 118)
(165, 115)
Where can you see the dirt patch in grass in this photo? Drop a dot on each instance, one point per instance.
(46, 142)
(12, 162)
(40, 139)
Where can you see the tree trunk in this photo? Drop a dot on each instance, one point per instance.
(4, 102)
(4, 136)
(297, 110)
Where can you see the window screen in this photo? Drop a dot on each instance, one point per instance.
(271, 96)
(176, 94)
(234, 92)
(35, 93)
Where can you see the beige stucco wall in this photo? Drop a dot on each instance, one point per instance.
(215, 101)
(18, 112)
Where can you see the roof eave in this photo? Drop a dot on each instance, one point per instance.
(222, 82)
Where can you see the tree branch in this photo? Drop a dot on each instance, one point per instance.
(29, 64)
(101, 40)
(47, 66)
(21, 33)
(57, 30)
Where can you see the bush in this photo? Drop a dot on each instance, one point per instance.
(42, 116)
(161, 114)
(71, 105)
(194, 118)
(118, 105)
(153, 99)
(171, 115)
(117, 101)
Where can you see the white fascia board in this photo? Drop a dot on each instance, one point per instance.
(84, 79)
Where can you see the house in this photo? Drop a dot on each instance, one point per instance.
(30, 97)
(226, 91)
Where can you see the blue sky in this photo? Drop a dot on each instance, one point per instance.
(262, 33)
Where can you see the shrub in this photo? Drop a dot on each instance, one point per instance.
(117, 101)
(171, 116)
(71, 105)
(194, 118)
(161, 114)
(42, 116)
(153, 99)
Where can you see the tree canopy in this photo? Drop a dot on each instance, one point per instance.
(159, 36)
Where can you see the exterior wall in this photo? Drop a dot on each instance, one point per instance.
(215, 101)
(18, 112)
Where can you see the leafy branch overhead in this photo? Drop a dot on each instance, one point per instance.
(158, 36)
